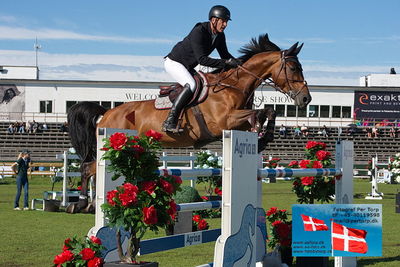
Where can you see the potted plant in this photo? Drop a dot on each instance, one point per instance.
(212, 184)
(77, 252)
(394, 167)
(144, 201)
(280, 233)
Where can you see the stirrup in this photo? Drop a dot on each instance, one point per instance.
(176, 130)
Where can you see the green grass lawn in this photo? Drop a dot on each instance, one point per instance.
(33, 238)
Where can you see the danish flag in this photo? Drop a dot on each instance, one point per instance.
(348, 239)
(312, 224)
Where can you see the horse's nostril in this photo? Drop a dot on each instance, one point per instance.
(305, 100)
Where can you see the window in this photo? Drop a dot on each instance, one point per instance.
(301, 112)
(313, 111)
(291, 111)
(280, 110)
(116, 104)
(324, 111)
(46, 106)
(69, 104)
(346, 112)
(106, 104)
(336, 110)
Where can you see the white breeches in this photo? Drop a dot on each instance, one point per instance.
(179, 73)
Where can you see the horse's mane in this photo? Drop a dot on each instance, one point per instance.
(263, 44)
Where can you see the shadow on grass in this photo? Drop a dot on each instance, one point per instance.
(358, 195)
(373, 261)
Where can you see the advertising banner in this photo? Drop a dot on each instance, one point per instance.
(376, 105)
(344, 230)
(12, 102)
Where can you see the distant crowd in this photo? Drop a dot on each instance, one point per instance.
(32, 127)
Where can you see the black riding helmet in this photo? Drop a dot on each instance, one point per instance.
(219, 12)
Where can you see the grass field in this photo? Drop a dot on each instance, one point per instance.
(33, 238)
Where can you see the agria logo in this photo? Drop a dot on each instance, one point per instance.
(363, 97)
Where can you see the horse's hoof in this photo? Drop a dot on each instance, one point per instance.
(89, 209)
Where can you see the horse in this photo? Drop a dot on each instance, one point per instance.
(227, 106)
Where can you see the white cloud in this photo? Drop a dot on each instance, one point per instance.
(20, 33)
(7, 19)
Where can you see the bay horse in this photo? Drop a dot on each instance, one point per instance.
(228, 106)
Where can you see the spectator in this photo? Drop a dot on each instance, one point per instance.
(352, 130)
(44, 127)
(297, 131)
(375, 131)
(21, 127)
(369, 131)
(304, 130)
(35, 126)
(282, 131)
(325, 131)
(10, 129)
(21, 169)
(64, 127)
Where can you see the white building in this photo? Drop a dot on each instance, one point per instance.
(27, 98)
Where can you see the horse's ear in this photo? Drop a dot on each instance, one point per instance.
(298, 49)
(290, 51)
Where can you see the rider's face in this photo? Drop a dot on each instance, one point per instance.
(218, 24)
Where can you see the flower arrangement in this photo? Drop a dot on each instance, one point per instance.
(394, 167)
(310, 189)
(199, 223)
(144, 201)
(86, 252)
(281, 228)
(207, 160)
(271, 163)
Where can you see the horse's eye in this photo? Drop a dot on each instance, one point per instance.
(293, 68)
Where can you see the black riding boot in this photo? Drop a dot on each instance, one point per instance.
(170, 124)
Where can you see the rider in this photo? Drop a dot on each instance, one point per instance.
(195, 49)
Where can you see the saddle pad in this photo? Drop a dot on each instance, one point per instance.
(165, 103)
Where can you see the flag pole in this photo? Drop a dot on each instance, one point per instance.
(332, 237)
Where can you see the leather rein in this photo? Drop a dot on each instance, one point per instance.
(267, 81)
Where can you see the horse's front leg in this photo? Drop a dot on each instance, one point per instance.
(266, 135)
(88, 169)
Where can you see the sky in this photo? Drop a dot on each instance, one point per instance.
(126, 40)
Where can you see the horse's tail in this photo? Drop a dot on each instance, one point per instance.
(82, 119)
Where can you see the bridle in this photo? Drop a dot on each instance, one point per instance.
(268, 81)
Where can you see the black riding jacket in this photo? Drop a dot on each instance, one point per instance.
(195, 48)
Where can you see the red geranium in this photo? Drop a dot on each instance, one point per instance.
(178, 179)
(172, 209)
(110, 197)
(118, 140)
(308, 180)
(322, 154)
(317, 164)
(129, 196)
(169, 188)
(204, 198)
(203, 225)
(304, 163)
(95, 262)
(156, 135)
(149, 186)
(65, 256)
(196, 218)
(311, 144)
(218, 191)
(87, 254)
(95, 239)
(150, 215)
(271, 211)
(293, 163)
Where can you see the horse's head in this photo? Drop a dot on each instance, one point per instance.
(288, 76)
(267, 62)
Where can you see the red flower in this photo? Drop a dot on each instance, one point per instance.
(271, 211)
(283, 230)
(172, 209)
(178, 179)
(311, 144)
(293, 163)
(156, 135)
(322, 154)
(308, 180)
(67, 255)
(118, 140)
(295, 183)
(218, 191)
(150, 215)
(275, 223)
(317, 164)
(110, 197)
(204, 198)
(305, 162)
(87, 254)
(149, 186)
(202, 225)
(166, 186)
(95, 239)
(283, 211)
(79, 188)
(323, 145)
(138, 148)
(196, 218)
(95, 262)
(104, 148)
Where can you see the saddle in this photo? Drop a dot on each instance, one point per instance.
(169, 93)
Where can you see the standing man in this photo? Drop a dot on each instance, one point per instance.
(195, 49)
(22, 165)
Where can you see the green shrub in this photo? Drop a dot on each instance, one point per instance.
(187, 194)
